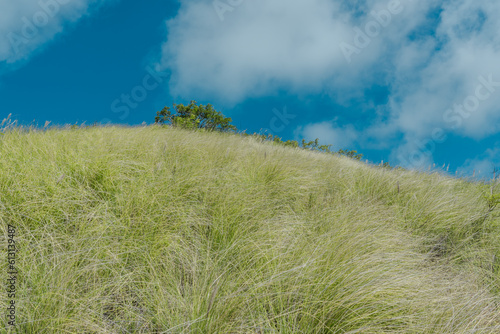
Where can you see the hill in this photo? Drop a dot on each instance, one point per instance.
(154, 230)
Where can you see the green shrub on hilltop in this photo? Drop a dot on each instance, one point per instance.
(351, 154)
(194, 116)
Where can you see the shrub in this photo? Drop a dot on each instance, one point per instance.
(194, 116)
(351, 154)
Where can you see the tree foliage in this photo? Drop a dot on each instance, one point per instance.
(194, 116)
(311, 145)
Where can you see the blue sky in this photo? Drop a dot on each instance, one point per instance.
(415, 83)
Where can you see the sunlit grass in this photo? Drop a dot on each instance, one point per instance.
(160, 230)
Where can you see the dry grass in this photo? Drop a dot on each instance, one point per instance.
(153, 230)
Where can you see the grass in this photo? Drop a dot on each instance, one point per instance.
(154, 230)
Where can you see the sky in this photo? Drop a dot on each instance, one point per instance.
(412, 83)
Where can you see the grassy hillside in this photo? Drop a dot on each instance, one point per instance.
(151, 230)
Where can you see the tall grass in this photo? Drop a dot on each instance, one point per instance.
(154, 230)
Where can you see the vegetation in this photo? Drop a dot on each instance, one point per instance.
(196, 116)
(153, 230)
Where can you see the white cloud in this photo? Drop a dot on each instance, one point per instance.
(329, 133)
(259, 47)
(264, 46)
(430, 86)
(27, 25)
(482, 165)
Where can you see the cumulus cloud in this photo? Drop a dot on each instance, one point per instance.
(341, 137)
(432, 55)
(452, 73)
(457, 87)
(259, 47)
(27, 25)
(263, 46)
(483, 165)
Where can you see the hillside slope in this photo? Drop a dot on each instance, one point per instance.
(152, 230)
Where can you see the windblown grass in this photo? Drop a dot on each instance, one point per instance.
(153, 230)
